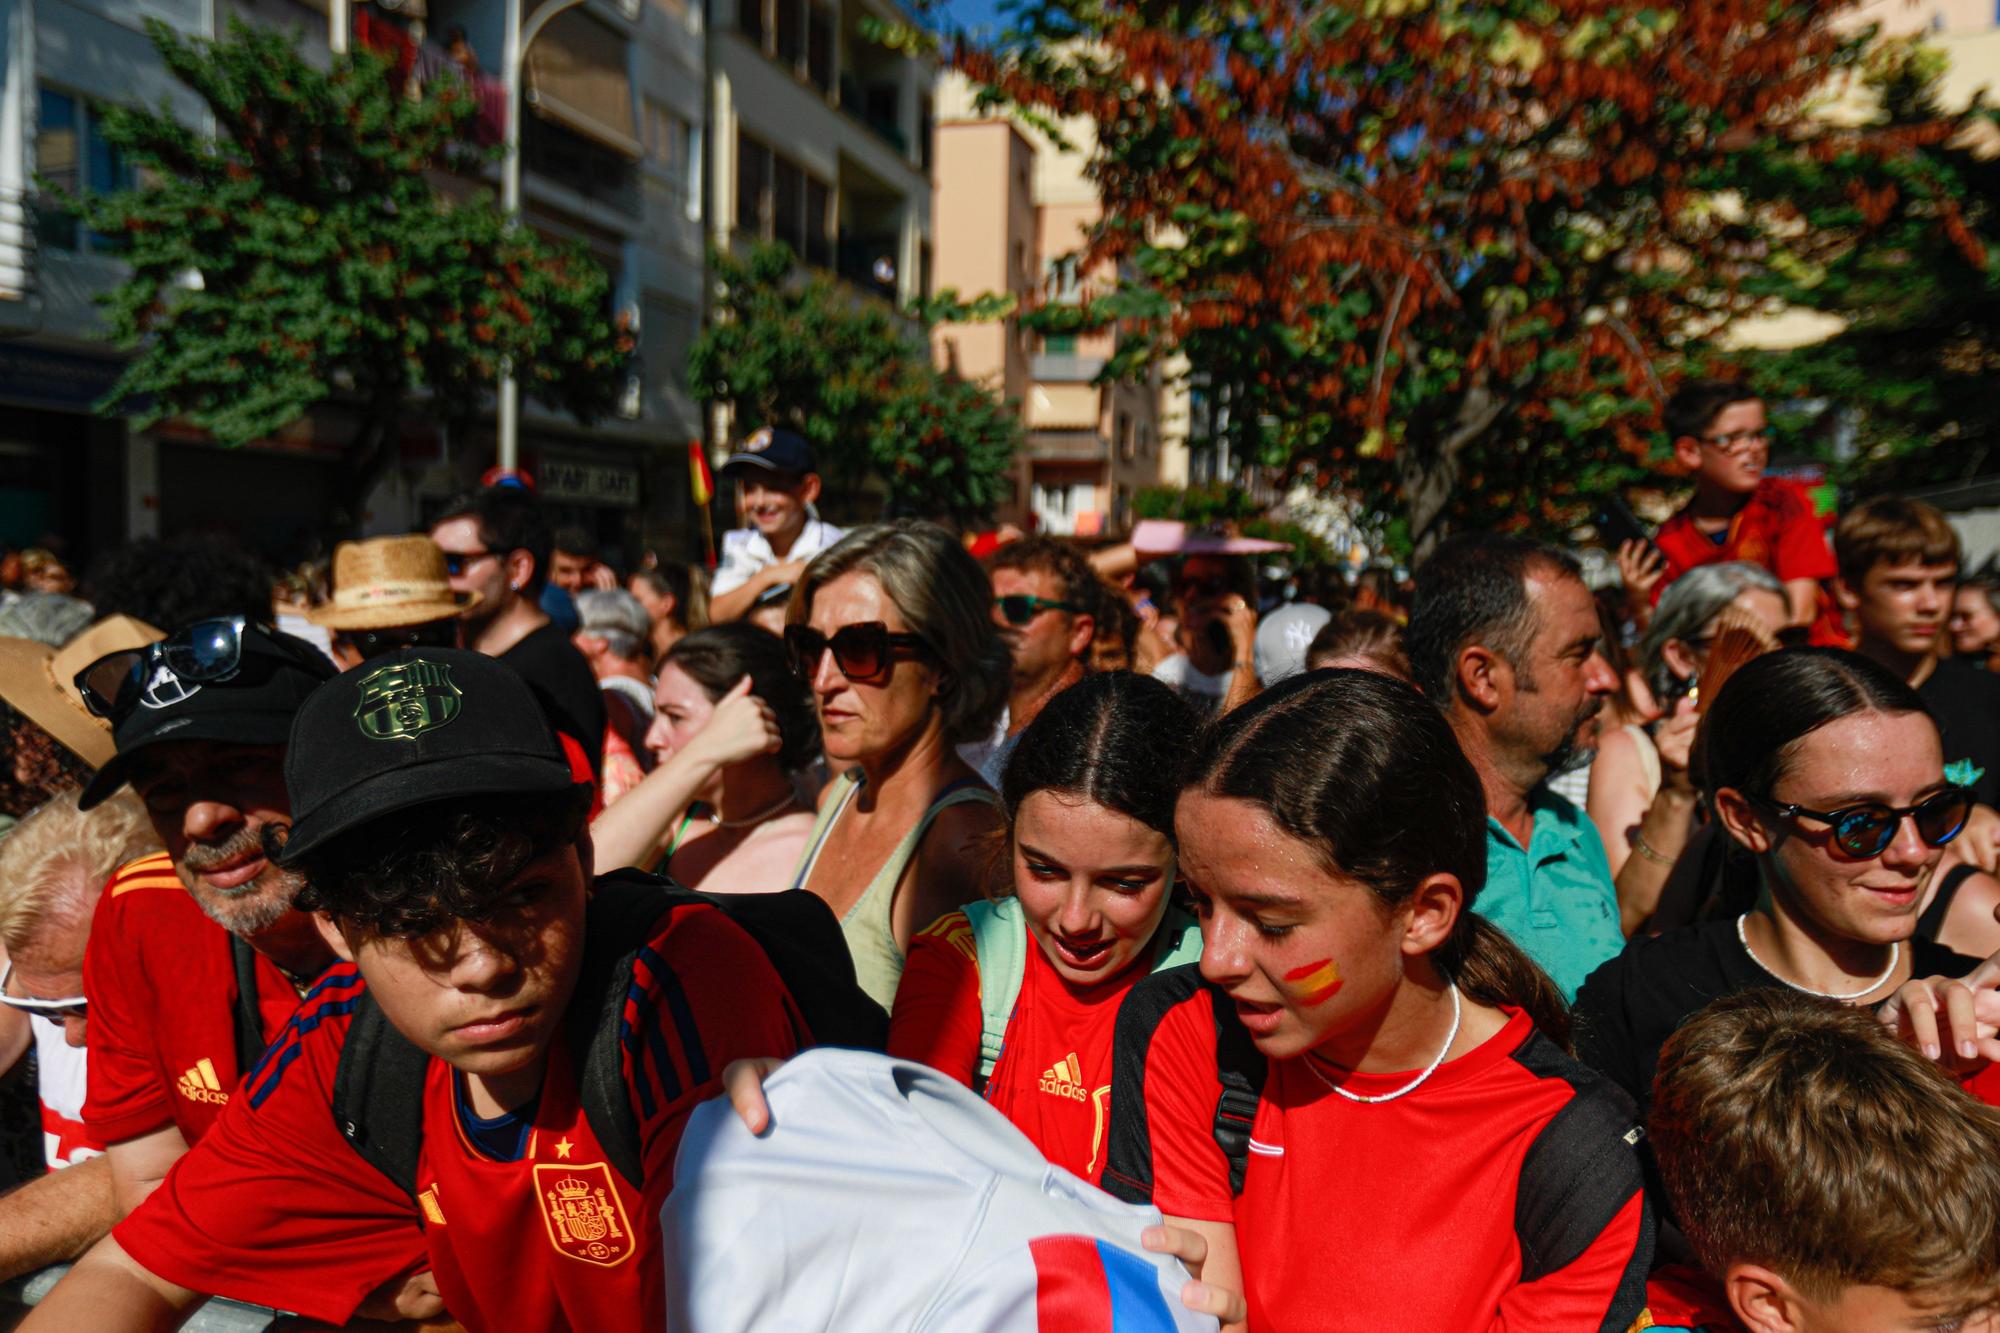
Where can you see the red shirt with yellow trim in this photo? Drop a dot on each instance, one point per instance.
(276, 1208)
(1053, 1078)
(1408, 1214)
(1778, 528)
(161, 982)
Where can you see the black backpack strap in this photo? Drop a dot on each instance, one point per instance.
(624, 909)
(1239, 1067)
(1582, 1170)
(1128, 1163)
(248, 1019)
(378, 1095)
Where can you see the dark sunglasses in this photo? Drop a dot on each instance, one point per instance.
(1019, 607)
(53, 1010)
(375, 642)
(1864, 830)
(199, 654)
(863, 651)
(457, 562)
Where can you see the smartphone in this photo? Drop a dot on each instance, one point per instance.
(1616, 524)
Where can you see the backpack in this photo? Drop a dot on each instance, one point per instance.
(1000, 937)
(378, 1089)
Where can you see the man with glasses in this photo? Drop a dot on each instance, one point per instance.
(1722, 437)
(498, 546)
(390, 593)
(1044, 594)
(197, 956)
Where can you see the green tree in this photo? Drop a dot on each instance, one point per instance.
(1436, 248)
(303, 256)
(791, 347)
(1905, 251)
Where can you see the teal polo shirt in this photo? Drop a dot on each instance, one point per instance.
(1554, 897)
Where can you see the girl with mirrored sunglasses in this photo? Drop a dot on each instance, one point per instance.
(1827, 776)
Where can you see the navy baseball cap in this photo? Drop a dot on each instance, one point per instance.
(774, 449)
(409, 728)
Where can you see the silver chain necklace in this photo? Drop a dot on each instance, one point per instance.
(715, 813)
(1895, 955)
(1457, 1012)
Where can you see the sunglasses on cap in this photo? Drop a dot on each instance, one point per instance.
(1863, 830)
(864, 651)
(53, 1010)
(1019, 607)
(199, 654)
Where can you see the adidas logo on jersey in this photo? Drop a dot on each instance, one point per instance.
(1065, 1079)
(199, 1084)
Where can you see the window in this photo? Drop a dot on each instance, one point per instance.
(753, 182)
(674, 146)
(819, 223)
(1062, 283)
(788, 206)
(819, 48)
(750, 20)
(1124, 435)
(789, 32)
(1059, 344)
(74, 156)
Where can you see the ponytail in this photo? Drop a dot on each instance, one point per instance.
(1492, 969)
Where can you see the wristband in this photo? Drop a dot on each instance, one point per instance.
(1640, 845)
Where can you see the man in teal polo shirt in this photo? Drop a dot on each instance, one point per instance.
(1504, 638)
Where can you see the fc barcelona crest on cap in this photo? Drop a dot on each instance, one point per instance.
(759, 441)
(404, 700)
(582, 1212)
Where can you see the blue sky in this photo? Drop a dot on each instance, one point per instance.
(970, 13)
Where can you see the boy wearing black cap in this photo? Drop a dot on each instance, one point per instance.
(449, 865)
(777, 484)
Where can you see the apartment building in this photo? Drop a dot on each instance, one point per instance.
(1012, 215)
(612, 135)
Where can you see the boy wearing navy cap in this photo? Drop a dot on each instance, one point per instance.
(777, 484)
(449, 864)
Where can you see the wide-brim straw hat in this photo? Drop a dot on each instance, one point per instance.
(390, 582)
(40, 683)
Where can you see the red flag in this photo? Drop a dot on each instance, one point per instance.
(700, 482)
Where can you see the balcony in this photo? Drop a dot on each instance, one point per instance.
(1065, 368)
(870, 264)
(1066, 446)
(874, 105)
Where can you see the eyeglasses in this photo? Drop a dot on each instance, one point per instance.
(197, 654)
(1020, 608)
(864, 651)
(53, 1010)
(1736, 440)
(1864, 830)
(457, 562)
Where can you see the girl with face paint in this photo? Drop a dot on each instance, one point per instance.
(1412, 1090)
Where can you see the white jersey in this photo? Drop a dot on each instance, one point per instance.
(746, 550)
(62, 1077)
(887, 1196)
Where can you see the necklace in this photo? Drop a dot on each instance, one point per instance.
(715, 813)
(1895, 953)
(1456, 1013)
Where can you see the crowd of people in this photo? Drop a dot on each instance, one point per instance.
(1492, 952)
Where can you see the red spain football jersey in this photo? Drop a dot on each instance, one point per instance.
(1776, 528)
(162, 988)
(1416, 1214)
(276, 1208)
(1053, 1078)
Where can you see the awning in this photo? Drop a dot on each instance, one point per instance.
(577, 77)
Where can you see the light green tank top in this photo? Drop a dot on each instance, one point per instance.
(878, 962)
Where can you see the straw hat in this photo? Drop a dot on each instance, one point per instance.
(388, 582)
(39, 682)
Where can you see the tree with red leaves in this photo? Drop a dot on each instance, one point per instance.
(1432, 250)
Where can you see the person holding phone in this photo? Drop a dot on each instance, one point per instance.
(1215, 663)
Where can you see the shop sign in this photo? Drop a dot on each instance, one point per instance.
(588, 483)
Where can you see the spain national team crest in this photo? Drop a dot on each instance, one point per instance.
(403, 701)
(580, 1208)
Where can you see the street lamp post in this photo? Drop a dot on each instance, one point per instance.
(519, 37)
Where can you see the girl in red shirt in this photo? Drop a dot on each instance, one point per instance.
(1018, 998)
(1409, 1147)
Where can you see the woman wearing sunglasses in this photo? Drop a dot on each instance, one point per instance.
(892, 630)
(1016, 998)
(1825, 770)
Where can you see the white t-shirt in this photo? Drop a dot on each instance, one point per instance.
(746, 550)
(887, 1196)
(1199, 688)
(62, 1076)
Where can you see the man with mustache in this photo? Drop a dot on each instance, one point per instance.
(196, 956)
(1504, 639)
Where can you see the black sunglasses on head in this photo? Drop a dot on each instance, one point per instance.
(1019, 607)
(863, 651)
(1863, 830)
(198, 654)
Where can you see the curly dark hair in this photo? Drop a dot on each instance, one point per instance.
(717, 657)
(409, 874)
(37, 767)
(170, 582)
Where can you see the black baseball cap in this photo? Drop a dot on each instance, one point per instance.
(409, 728)
(254, 705)
(774, 449)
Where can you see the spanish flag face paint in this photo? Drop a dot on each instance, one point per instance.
(1315, 983)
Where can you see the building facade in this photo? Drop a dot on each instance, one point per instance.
(1013, 216)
